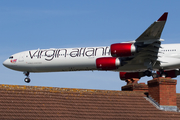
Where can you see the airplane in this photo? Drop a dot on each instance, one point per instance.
(145, 56)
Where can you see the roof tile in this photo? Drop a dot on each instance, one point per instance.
(34, 102)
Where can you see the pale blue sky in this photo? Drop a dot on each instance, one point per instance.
(33, 24)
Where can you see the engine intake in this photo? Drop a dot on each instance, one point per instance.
(108, 63)
(122, 49)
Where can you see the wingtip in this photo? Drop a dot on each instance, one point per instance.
(163, 17)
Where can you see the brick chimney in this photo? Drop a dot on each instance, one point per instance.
(133, 85)
(162, 91)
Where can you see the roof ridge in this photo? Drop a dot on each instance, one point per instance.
(58, 89)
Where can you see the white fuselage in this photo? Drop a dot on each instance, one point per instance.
(78, 59)
(51, 60)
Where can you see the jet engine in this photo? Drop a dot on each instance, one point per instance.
(122, 49)
(129, 75)
(108, 63)
(171, 73)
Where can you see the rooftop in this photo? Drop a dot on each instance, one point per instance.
(34, 102)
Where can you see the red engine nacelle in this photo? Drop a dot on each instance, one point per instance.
(108, 63)
(122, 49)
(171, 73)
(129, 75)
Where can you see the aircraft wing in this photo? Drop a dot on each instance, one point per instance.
(150, 42)
(153, 32)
